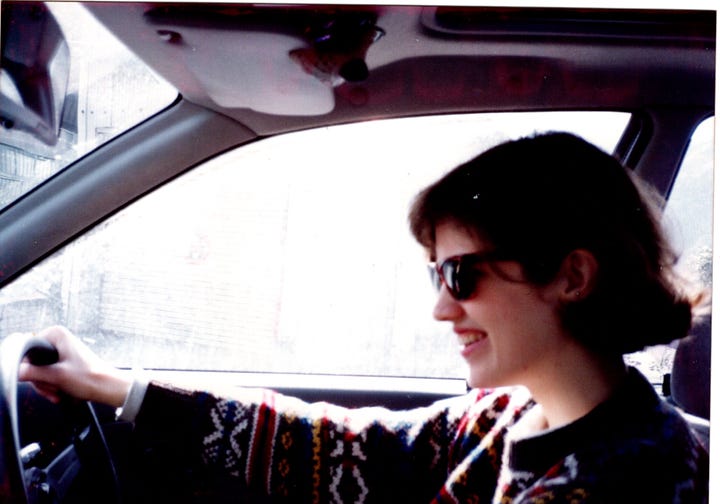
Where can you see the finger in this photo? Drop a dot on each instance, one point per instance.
(47, 391)
(26, 371)
(32, 373)
(50, 396)
(56, 335)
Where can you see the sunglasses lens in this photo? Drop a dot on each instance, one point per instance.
(456, 276)
(459, 274)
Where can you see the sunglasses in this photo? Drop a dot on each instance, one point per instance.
(459, 273)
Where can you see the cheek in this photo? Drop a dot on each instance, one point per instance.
(493, 309)
(519, 306)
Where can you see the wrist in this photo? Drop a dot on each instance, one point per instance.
(111, 387)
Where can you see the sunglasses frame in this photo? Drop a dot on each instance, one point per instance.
(457, 273)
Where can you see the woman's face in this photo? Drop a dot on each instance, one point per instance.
(509, 331)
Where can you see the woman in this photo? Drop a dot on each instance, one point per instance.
(550, 265)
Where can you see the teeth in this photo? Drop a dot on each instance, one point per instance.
(468, 338)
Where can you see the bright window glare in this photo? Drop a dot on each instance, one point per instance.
(688, 214)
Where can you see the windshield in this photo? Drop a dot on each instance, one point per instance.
(108, 92)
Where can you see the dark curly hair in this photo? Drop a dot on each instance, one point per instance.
(539, 198)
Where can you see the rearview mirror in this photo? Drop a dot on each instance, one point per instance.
(34, 71)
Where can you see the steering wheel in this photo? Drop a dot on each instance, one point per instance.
(26, 477)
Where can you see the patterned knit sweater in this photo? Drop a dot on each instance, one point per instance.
(469, 449)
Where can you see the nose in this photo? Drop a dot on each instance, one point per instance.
(446, 307)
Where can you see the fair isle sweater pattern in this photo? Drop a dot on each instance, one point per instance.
(460, 450)
(323, 453)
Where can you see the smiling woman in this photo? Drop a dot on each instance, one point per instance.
(253, 232)
(554, 415)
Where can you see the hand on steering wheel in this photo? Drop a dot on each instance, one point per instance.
(53, 482)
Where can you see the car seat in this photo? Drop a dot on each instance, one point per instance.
(690, 380)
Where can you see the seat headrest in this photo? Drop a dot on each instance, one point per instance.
(690, 378)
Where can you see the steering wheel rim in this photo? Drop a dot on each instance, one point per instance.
(12, 351)
(40, 352)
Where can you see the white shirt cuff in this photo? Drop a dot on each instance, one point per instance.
(130, 408)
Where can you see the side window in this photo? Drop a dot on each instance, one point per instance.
(689, 208)
(688, 218)
(291, 254)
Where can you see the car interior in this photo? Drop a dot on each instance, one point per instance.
(236, 77)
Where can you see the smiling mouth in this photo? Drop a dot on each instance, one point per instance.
(468, 338)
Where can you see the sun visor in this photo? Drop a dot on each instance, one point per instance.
(270, 59)
(254, 70)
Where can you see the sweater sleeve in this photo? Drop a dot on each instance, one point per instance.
(265, 444)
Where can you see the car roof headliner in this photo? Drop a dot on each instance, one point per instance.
(235, 59)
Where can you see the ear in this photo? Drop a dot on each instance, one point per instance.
(577, 275)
